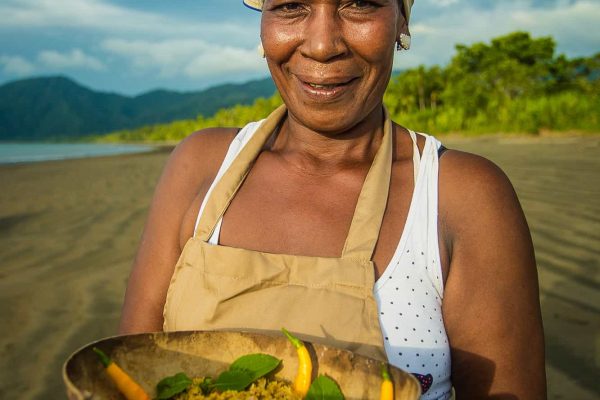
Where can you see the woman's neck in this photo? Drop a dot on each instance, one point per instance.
(310, 150)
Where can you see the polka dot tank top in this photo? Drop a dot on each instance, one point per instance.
(410, 291)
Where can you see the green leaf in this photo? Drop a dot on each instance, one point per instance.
(324, 388)
(258, 365)
(206, 385)
(172, 385)
(245, 370)
(237, 380)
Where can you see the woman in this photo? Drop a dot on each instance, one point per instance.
(329, 219)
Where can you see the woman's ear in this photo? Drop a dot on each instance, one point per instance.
(403, 33)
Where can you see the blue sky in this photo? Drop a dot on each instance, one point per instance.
(132, 46)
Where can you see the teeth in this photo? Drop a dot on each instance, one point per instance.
(313, 85)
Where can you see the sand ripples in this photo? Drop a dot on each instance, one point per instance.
(69, 231)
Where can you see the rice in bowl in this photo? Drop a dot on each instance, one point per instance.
(263, 388)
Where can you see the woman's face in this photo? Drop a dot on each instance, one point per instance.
(331, 59)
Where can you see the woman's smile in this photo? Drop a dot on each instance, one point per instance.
(327, 88)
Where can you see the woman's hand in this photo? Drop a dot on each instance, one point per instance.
(491, 301)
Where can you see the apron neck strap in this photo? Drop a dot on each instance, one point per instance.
(230, 182)
(372, 201)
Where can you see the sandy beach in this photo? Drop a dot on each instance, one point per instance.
(69, 231)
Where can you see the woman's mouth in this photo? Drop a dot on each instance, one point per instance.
(330, 86)
(326, 89)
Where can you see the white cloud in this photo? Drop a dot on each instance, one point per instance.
(16, 66)
(73, 13)
(100, 15)
(74, 59)
(443, 3)
(575, 26)
(570, 24)
(186, 57)
(226, 60)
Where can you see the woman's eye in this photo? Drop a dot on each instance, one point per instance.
(290, 7)
(362, 4)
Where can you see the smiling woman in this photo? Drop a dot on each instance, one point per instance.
(348, 55)
(346, 228)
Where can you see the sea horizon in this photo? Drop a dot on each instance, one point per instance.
(31, 152)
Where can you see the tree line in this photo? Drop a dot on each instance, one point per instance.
(514, 84)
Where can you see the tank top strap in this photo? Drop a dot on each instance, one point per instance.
(234, 148)
(431, 153)
(224, 190)
(416, 155)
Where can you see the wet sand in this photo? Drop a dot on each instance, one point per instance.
(69, 230)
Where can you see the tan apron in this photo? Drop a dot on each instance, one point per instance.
(329, 300)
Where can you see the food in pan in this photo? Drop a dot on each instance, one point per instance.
(250, 377)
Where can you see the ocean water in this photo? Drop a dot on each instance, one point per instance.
(11, 153)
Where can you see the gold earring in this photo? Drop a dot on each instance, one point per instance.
(261, 50)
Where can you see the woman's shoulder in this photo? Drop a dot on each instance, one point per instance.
(466, 177)
(203, 150)
(205, 142)
(474, 195)
(195, 161)
(460, 172)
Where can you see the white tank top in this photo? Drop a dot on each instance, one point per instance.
(410, 291)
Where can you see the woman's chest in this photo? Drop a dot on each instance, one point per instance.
(285, 212)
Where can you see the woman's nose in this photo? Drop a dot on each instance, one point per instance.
(323, 40)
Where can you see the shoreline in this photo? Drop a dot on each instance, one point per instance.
(120, 149)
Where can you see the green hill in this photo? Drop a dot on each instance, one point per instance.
(59, 108)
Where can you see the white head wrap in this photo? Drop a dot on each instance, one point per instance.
(257, 5)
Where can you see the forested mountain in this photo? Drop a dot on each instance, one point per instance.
(58, 107)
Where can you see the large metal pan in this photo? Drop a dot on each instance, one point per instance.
(150, 357)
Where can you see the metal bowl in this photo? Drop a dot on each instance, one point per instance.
(150, 357)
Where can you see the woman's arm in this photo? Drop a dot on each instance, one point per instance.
(491, 300)
(185, 180)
